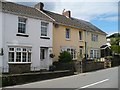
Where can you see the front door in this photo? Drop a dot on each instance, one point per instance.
(43, 58)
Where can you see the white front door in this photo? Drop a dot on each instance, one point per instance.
(43, 58)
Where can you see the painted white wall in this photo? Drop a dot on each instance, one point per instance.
(34, 40)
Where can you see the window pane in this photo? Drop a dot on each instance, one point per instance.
(43, 31)
(91, 53)
(80, 35)
(22, 25)
(68, 50)
(24, 55)
(44, 23)
(18, 56)
(74, 53)
(11, 49)
(29, 57)
(42, 54)
(80, 51)
(97, 53)
(24, 49)
(44, 28)
(67, 33)
(18, 49)
(11, 56)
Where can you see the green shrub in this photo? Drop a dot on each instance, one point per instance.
(65, 57)
(109, 57)
(115, 48)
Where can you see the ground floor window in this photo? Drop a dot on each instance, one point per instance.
(95, 53)
(72, 51)
(19, 54)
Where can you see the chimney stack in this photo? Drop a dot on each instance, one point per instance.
(39, 6)
(67, 13)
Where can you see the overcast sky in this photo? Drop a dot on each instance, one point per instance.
(101, 13)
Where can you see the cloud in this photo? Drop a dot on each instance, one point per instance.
(82, 9)
(89, 11)
(113, 18)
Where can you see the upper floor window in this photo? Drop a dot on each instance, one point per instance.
(94, 37)
(21, 25)
(80, 35)
(67, 33)
(44, 29)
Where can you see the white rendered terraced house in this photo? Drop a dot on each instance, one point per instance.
(25, 38)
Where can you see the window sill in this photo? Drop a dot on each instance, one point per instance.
(44, 37)
(81, 40)
(19, 62)
(67, 39)
(23, 35)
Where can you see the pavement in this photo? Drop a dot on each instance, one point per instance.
(107, 78)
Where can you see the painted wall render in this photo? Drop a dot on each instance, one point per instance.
(33, 29)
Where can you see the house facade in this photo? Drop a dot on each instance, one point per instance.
(76, 36)
(25, 38)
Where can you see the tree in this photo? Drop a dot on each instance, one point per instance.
(115, 48)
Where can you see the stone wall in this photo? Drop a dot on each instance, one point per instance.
(19, 68)
(92, 66)
(14, 79)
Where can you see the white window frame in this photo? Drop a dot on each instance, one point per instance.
(28, 50)
(74, 57)
(94, 37)
(10, 51)
(47, 28)
(25, 23)
(95, 53)
(81, 50)
(66, 32)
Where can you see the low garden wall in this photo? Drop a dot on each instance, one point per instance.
(92, 66)
(14, 79)
(116, 60)
(19, 68)
(76, 65)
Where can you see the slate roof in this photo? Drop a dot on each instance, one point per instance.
(14, 8)
(73, 22)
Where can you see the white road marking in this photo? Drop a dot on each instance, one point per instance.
(95, 83)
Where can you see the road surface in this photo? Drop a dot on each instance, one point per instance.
(107, 78)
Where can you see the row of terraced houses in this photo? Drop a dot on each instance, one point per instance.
(28, 35)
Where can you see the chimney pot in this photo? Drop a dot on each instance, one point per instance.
(39, 6)
(67, 13)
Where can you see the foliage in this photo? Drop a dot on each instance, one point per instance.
(65, 57)
(115, 48)
(109, 57)
(115, 39)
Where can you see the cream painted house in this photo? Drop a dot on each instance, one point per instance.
(75, 36)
